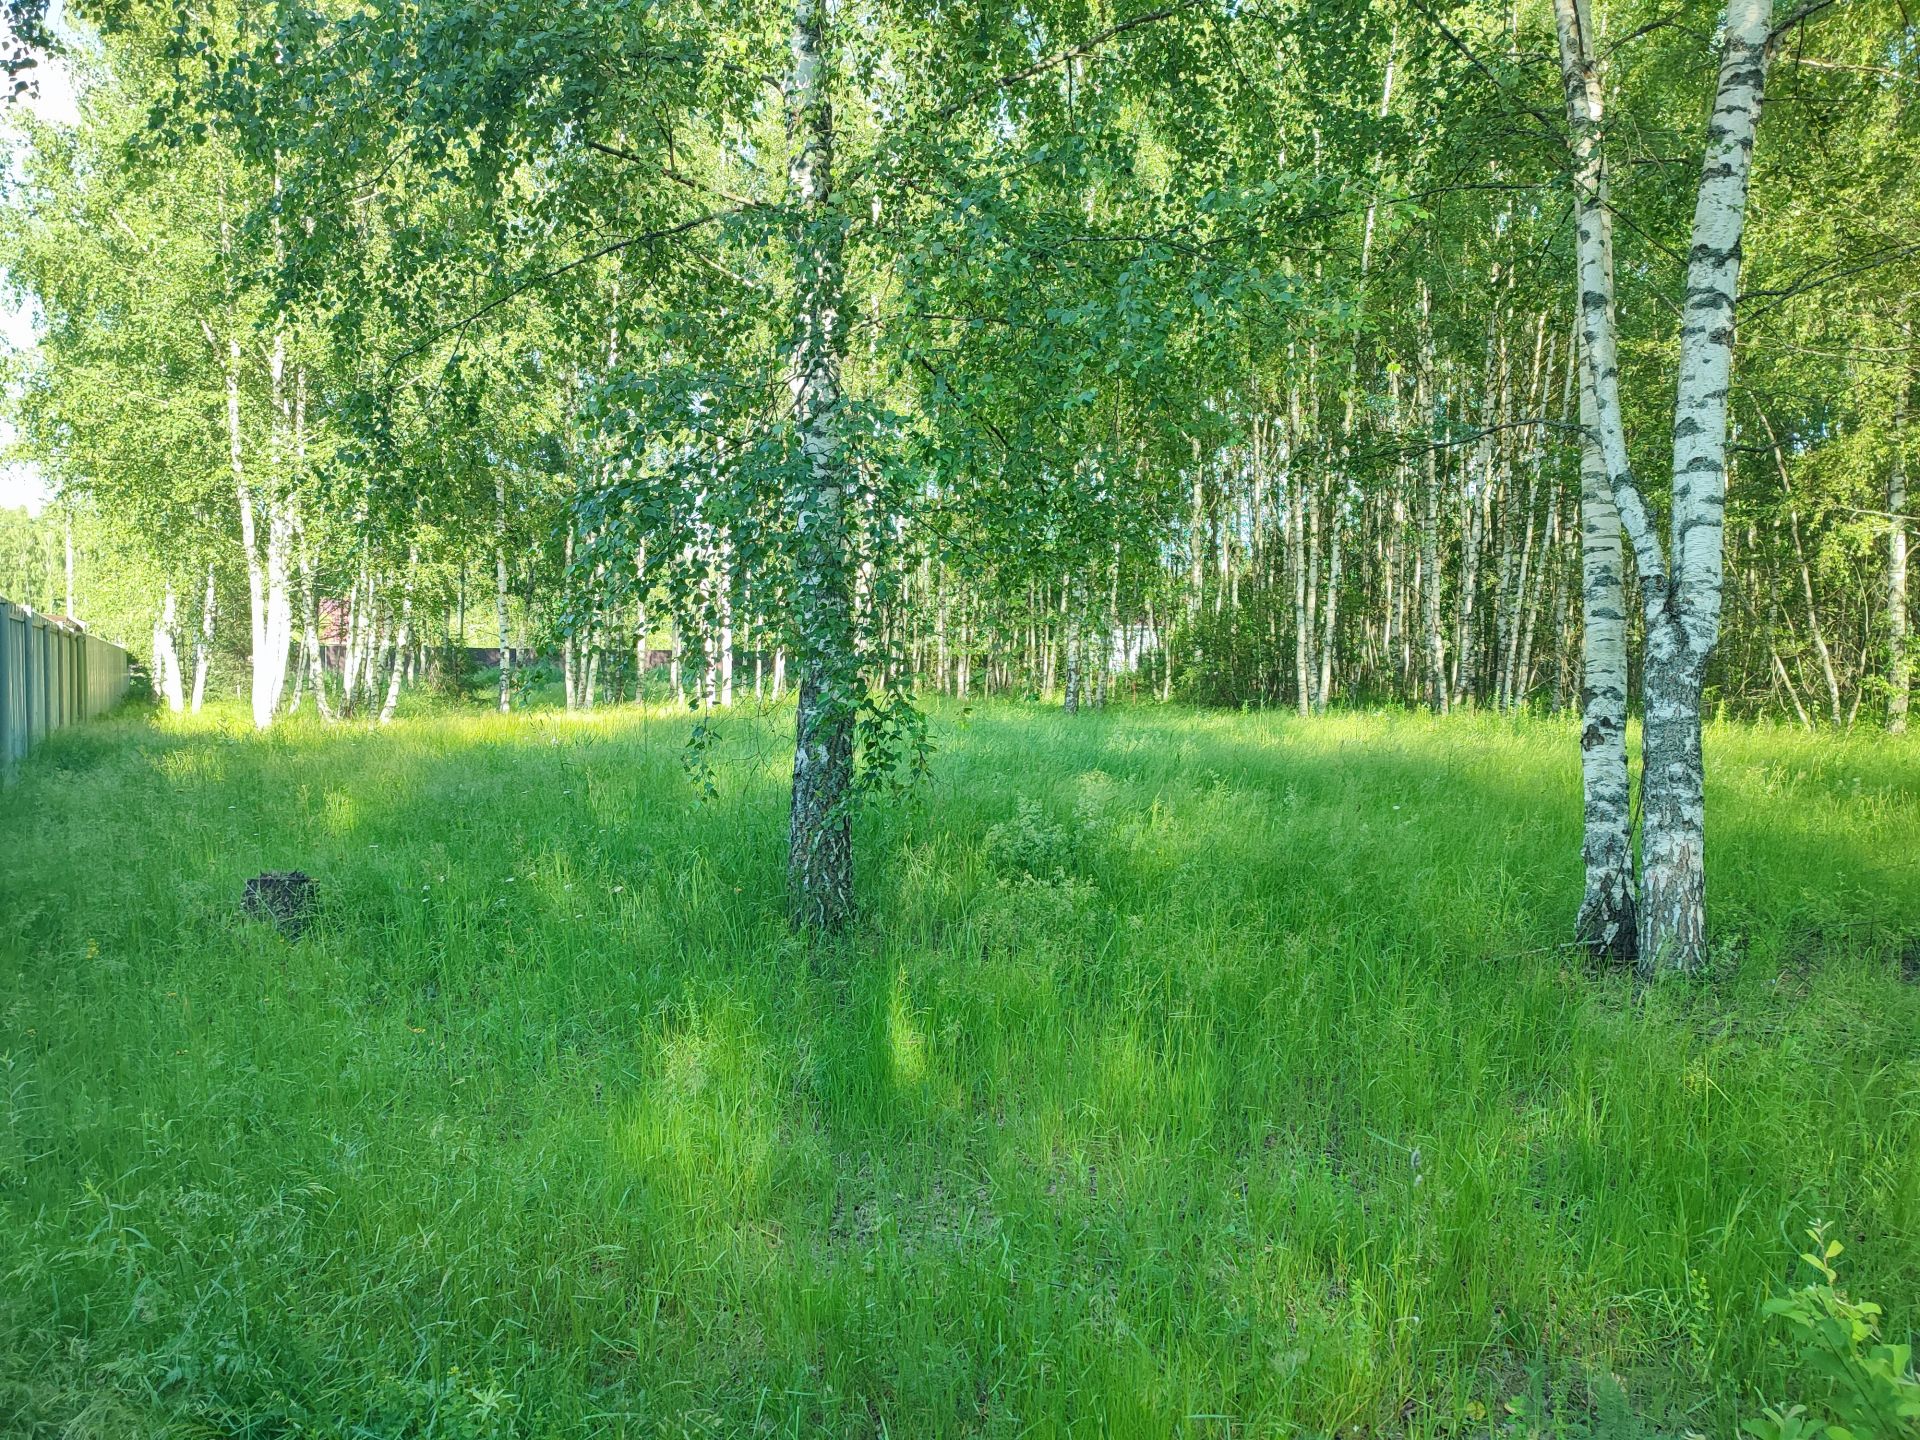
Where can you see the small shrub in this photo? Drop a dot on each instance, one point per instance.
(1028, 843)
(452, 674)
(1869, 1388)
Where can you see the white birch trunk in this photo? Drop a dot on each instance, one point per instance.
(500, 587)
(1684, 627)
(310, 626)
(402, 637)
(1605, 922)
(820, 840)
(1430, 519)
(166, 652)
(1070, 700)
(1323, 691)
(1899, 657)
(263, 701)
(203, 644)
(1682, 606)
(271, 685)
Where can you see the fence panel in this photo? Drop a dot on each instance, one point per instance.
(52, 673)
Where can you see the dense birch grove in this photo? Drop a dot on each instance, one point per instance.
(1295, 355)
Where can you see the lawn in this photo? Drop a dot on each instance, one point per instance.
(1201, 1074)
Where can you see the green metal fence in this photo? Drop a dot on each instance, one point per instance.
(52, 673)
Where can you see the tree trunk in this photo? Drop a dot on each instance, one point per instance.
(1683, 625)
(1899, 661)
(266, 573)
(166, 653)
(640, 626)
(1605, 923)
(402, 637)
(1070, 619)
(1297, 569)
(1430, 573)
(311, 635)
(1323, 691)
(1473, 501)
(203, 645)
(820, 839)
(1815, 630)
(500, 587)
(1681, 606)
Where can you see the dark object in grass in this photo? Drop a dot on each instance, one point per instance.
(286, 897)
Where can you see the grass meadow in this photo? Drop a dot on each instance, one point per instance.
(1190, 1074)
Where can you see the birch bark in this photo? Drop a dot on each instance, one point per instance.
(166, 653)
(203, 645)
(310, 644)
(263, 701)
(1605, 922)
(500, 588)
(1681, 605)
(402, 637)
(820, 841)
(1683, 624)
(1430, 518)
(1899, 660)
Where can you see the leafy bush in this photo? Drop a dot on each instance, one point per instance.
(1870, 1390)
(452, 673)
(1029, 843)
(1234, 657)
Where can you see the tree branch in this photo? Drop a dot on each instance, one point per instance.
(521, 287)
(1055, 61)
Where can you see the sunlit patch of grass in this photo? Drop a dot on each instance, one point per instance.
(1190, 1072)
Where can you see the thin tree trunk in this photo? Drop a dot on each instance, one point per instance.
(1899, 660)
(500, 588)
(403, 636)
(640, 626)
(203, 644)
(1070, 701)
(265, 675)
(1815, 631)
(310, 633)
(1430, 559)
(1323, 692)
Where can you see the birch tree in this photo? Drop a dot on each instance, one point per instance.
(1605, 923)
(1899, 656)
(820, 842)
(1680, 580)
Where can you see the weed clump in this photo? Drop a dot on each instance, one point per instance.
(1030, 845)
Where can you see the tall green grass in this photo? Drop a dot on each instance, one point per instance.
(1197, 1074)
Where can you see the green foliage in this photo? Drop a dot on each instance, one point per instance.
(1868, 1389)
(1028, 844)
(1239, 655)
